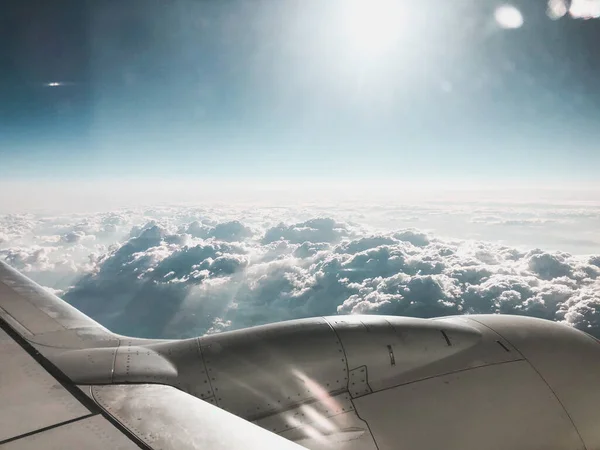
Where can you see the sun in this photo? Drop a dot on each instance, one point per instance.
(373, 26)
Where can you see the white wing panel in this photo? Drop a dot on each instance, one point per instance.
(44, 319)
(91, 433)
(35, 308)
(30, 397)
(168, 419)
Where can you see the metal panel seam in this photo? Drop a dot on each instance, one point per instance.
(343, 350)
(114, 363)
(366, 382)
(14, 323)
(50, 427)
(348, 381)
(446, 373)
(201, 354)
(54, 371)
(91, 404)
(366, 423)
(541, 377)
(25, 299)
(118, 425)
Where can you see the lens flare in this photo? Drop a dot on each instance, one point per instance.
(507, 16)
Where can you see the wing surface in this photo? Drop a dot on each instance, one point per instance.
(43, 318)
(41, 407)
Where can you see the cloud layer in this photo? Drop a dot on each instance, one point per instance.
(185, 272)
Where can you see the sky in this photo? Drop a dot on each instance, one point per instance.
(189, 167)
(255, 90)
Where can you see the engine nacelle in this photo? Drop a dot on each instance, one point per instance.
(375, 382)
(381, 382)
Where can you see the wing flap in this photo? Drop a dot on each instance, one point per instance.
(91, 433)
(166, 418)
(30, 397)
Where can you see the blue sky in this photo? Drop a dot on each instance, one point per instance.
(264, 90)
(448, 124)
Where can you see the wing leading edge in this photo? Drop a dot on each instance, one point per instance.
(42, 318)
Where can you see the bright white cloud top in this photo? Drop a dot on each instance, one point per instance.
(179, 271)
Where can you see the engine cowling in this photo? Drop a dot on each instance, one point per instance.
(381, 382)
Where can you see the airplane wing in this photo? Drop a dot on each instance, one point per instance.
(41, 407)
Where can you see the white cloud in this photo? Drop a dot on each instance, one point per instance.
(314, 230)
(181, 271)
(26, 258)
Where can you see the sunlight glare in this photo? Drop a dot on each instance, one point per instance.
(319, 420)
(319, 391)
(557, 9)
(509, 17)
(585, 9)
(373, 27)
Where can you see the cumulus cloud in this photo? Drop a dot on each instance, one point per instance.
(157, 284)
(314, 230)
(229, 231)
(73, 237)
(182, 272)
(25, 258)
(549, 266)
